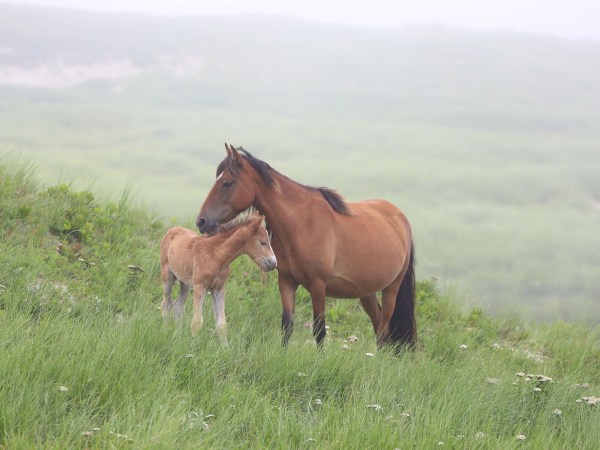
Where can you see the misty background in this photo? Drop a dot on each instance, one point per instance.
(480, 121)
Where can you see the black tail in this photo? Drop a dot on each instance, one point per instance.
(403, 325)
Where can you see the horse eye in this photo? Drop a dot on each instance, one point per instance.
(227, 183)
(263, 243)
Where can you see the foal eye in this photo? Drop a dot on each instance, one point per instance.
(227, 183)
(263, 243)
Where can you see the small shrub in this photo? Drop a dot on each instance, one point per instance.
(71, 213)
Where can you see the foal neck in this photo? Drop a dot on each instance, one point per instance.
(230, 244)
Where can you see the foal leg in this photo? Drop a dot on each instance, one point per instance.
(219, 311)
(168, 279)
(197, 321)
(372, 308)
(184, 290)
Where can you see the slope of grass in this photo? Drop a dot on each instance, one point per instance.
(87, 363)
(488, 141)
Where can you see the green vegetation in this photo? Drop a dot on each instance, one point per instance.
(488, 141)
(87, 363)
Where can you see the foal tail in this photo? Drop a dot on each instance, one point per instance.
(403, 326)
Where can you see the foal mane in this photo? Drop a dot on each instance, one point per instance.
(241, 219)
(334, 199)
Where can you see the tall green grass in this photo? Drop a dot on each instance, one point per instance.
(86, 361)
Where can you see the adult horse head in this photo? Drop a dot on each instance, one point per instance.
(233, 192)
(331, 247)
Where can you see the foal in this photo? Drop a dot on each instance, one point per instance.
(203, 261)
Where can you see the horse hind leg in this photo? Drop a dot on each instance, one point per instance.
(184, 290)
(372, 308)
(388, 303)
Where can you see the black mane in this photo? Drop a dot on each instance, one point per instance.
(261, 167)
(334, 199)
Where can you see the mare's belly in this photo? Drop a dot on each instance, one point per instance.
(339, 288)
(359, 285)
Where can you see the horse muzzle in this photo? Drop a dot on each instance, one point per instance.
(205, 226)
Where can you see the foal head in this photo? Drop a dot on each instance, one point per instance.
(233, 192)
(258, 246)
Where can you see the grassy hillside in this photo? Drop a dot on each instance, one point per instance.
(488, 141)
(86, 362)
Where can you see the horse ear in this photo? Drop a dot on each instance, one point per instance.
(230, 151)
(233, 153)
(257, 222)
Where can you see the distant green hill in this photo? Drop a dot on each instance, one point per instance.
(488, 141)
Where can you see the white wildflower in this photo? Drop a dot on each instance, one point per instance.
(377, 408)
(591, 400)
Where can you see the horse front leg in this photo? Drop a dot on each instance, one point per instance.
(287, 290)
(197, 321)
(219, 312)
(317, 292)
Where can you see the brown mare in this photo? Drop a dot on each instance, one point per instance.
(203, 261)
(331, 247)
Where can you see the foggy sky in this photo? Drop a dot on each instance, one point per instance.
(563, 18)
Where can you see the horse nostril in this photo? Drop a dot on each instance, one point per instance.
(200, 223)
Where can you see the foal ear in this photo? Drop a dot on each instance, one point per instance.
(256, 223)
